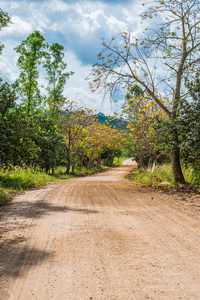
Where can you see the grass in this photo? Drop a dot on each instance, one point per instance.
(163, 176)
(119, 160)
(19, 179)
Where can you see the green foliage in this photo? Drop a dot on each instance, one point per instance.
(188, 125)
(119, 160)
(161, 173)
(15, 129)
(32, 52)
(18, 179)
(4, 21)
(56, 77)
(49, 141)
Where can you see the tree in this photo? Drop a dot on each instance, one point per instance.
(32, 52)
(188, 124)
(49, 142)
(56, 76)
(16, 129)
(158, 62)
(74, 119)
(4, 21)
(143, 114)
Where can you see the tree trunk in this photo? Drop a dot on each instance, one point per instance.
(140, 160)
(99, 161)
(176, 166)
(175, 159)
(68, 158)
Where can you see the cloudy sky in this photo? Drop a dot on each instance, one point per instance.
(78, 25)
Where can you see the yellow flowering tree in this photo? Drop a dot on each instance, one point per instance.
(142, 114)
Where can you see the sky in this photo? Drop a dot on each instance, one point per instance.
(78, 25)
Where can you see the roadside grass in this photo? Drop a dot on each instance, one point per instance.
(119, 160)
(163, 176)
(19, 179)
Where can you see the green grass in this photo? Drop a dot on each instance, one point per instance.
(163, 173)
(160, 174)
(19, 179)
(119, 160)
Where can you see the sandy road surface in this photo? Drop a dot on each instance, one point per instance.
(98, 238)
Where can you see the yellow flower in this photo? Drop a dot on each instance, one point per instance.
(162, 2)
(134, 62)
(164, 57)
(146, 74)
(102, 57)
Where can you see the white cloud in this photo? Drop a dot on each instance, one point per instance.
(8, 69)
(18, 27)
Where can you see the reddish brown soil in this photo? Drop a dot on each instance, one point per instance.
(99, 238)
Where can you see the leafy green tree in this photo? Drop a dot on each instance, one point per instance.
(173, 47)
(31, 53)
(7, 104)
(16, 129)
(55, 67)
(4, 21)
(188, 124)
(49, 142)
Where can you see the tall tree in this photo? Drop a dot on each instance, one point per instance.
(55, 67)
(158, 62)
(31, 53)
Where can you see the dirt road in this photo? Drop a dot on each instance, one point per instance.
(99, 238)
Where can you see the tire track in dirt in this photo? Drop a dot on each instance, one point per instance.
(98, 238)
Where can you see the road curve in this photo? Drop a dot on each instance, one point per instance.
(99, 238)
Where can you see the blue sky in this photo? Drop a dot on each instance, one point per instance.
(78, 26)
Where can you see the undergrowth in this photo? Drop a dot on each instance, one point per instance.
(163, 176)
(18, 179)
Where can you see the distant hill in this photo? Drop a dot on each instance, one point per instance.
(113, 121)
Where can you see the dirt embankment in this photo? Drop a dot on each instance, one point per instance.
(99, 238)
